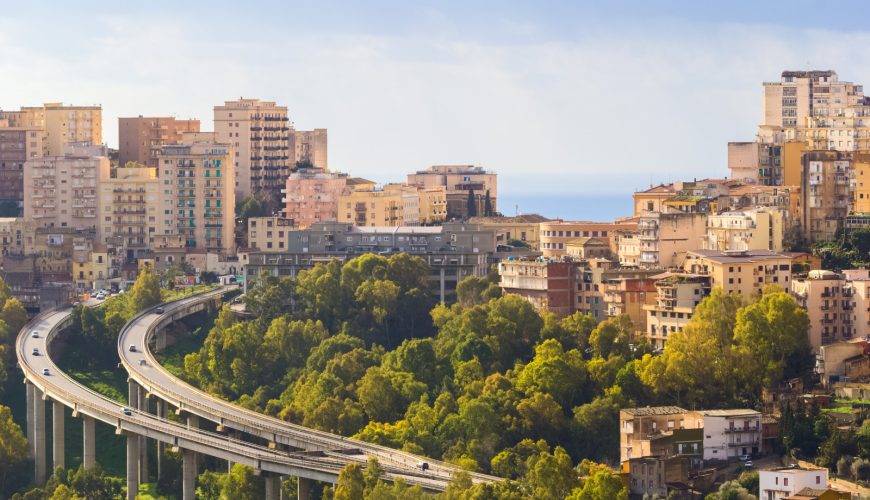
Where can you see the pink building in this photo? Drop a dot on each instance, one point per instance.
(311, 195)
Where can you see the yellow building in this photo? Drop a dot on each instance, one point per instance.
(196, 192)
(433, 204)
(791, 162)
(372, 208)
(61, 124)
(129, 205)
(269, 234)
(100, 265)
(757, 229)
(743, 272)
(676, 296)
(861, 162)
(525, 228)
(836, 304)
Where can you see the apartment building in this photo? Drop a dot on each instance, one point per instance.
(459, 181)
(16, 236)
(312, 195)
(62, 190)
(743, 272)
(623, 295)
(17, 145)
(825, 193)
(838, 361)
(128, 207)
(374, 207)
(309, 147)
(676, 296)
(588, 248)
(140, 138)
(816, 108)
(727, 433)
(750, 196)
(453, 251)
(556, 234)
(627, 245)
(645, 432)
(682, 196)
(861, 162)
(656, 477)
(269, 234)
(782, 482)
(666, 237)
(756, 163)
(196, 199)
(60, 125)
(754, 229)
(592, 277)
(838, 305)
(547, 284)
(259, 134)
(432, 204)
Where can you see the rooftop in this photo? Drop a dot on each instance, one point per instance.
(737, 412)
(526, 218)
(654, 410)
(740, 256)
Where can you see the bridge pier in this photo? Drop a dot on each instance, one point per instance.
(132, 466)
(273, 486)
(29, 388)
(188, 475)
(143, 440)
(57, 435)
(89, 442)
(303, 491)
(39, 453)
(160, 408)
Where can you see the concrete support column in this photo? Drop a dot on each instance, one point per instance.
(89, 442)
(143, 441)
(57, 435)
(132, 466)
(303, 492)
(160, 339)
(132, 394)
(188, 475)
(273, 486)
(193, 423)
(160, 408)
(442, 285)
(29, 388)
(39, 458)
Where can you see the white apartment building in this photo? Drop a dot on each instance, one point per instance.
(757, 229)
(774, 484)
(727, 433)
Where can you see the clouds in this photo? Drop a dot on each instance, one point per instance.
(599, 105)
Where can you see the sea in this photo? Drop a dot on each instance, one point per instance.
(585, 206)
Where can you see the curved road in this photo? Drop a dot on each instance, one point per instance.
(145, 370)
(34, 358)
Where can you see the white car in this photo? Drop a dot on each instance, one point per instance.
(34, 335)
(126, 411)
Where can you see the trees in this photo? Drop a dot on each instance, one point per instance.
(351, 483)
(471, 204)
(487, 205)
(13, 452)
(145, 292)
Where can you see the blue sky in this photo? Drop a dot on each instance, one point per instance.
(564, 97)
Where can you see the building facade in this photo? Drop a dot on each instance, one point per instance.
(17, 145)
(259, 134)
(128, 207)
(629, 296)
(744, 273)
(728, 433)
(838, 305)
(312, 195)
(676, 296)
(309, 147)
(140, 138)
(826, 180)
(781, 482)
(459, 181)
(754, 229)
(269, 234)
(556, 234)
(645, 432)
(548, 285)
(666, 237)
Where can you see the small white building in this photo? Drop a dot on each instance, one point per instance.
(728, 433)
(782, 482)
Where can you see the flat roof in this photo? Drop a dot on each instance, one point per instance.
(654, 410)
(740, 256)
(729, 413)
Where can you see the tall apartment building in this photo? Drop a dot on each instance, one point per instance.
(838, 305)
(666, 237)
(62, 190)
(17, 145)
(861, 163)
(745, 273)
(825, 193)
(459, 180)
(755, 229)
(312, 195)
(676, 296)
(60, 124)
(140, 138)
(197, 201)
(624, 295)
(129, 205)
(259, 133)
(546, 284)
(309, 147)
(556, 234)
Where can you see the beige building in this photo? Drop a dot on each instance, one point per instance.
(755, 229)
(743, 272)
(16, 236)
(459, 180)
(755, 163)
(432, 204)
(196, 198)
(309, 147)
(556, 234)
(838, 305)
(312, 195)
(525, 228)
(682, 196)
(259, 133)
(62, 190)
(377, 207)
(862, 183)
(588, 248)
(140, 138)
(17, 145)
(825, 193)
(645, 432)
(269, 234)
(60, 124)
(129, 202)
(666, 237)
(676, 296)
(627, 245)
(623, 295)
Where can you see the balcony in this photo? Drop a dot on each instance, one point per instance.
(742, 429)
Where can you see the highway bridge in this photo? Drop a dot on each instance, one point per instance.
(274, 447)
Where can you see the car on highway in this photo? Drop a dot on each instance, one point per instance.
(35, 352)
(158, 310)
(132, 348)
(34, 335)
(45, 371)
(423, 465)
(126, 411)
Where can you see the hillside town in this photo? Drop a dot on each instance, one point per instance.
(257, 198)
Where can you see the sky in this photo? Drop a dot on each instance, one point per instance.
(562, 98)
